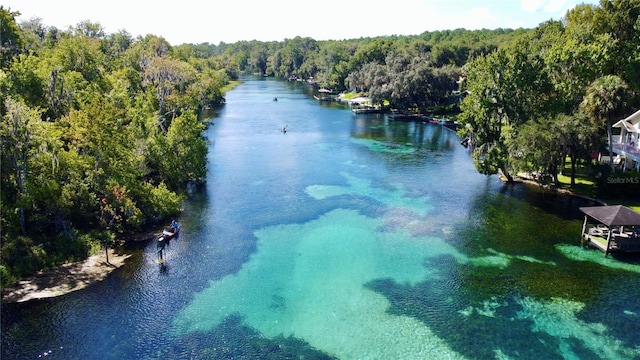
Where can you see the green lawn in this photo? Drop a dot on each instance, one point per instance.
(586, 187)
(583, 186)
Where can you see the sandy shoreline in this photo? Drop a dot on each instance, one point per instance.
(64, 279)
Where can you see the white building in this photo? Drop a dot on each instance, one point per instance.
(626, 146)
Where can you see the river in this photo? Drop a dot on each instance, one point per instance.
(349, 237)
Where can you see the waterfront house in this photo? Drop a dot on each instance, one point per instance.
(626, 145)
(611, 228)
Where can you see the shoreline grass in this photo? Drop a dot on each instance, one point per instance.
(585, 186)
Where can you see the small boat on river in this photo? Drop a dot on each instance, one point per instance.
(163, 239)
(170, 232)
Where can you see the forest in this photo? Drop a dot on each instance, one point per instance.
(100, 136)
(102, 133)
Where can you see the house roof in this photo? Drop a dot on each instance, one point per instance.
(630, 123)
(616, 215)
(627, 125)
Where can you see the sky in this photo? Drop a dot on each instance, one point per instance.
(229, 21)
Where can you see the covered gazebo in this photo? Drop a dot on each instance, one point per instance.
(611, 228)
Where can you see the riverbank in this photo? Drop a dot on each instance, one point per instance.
(529, 181)
(65, 278)
(523, 178)
(74, 276)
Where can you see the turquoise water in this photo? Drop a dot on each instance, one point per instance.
(349, 237)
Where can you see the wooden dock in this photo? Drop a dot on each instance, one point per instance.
(595, 240)
(618, 242)
(616, 228)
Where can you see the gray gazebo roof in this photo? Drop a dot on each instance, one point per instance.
(616, 215)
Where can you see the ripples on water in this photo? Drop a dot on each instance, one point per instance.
(347, 237)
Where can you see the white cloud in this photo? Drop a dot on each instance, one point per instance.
(555, 6)
(548, 6)
(531, 5)
(230, 21)
(478, 18)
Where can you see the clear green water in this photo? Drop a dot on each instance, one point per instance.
(348, 237)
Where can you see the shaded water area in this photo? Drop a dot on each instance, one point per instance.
(347, 237)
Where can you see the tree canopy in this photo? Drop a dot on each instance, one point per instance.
(521, 95)
(101, 132)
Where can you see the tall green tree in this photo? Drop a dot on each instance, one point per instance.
(19, 141)
(73, 74)
(23, 81)
(621, 20)
(89, 29)
(11, 37)
(606, 100)
(574, 56)
(578, 138)
(180, 156)
(537, 149)
(167, 78)
(541, 145)
(506, 89)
